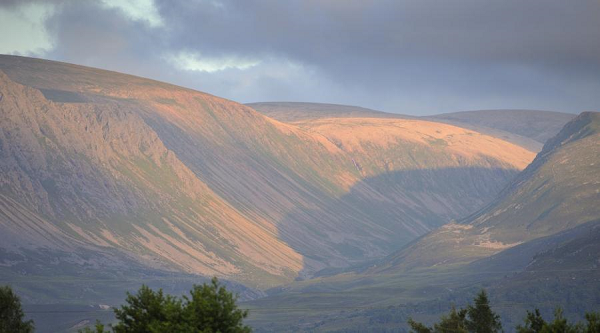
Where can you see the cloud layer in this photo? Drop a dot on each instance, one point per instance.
(416, 57)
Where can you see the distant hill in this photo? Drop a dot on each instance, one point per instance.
(297, 111)
(526, 128)
(536, 125)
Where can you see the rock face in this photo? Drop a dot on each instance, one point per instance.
(184, 181)
(558, 191)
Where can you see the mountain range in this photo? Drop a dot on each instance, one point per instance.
(184, 181)
(111, 177)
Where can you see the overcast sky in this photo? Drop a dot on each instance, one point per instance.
(412, 57)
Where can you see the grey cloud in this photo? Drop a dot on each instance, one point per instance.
(413, 56)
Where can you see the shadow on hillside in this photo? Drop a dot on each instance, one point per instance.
(381, 214)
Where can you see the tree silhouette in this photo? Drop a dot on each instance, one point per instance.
(478, 318)
(11, 314)
(481, 318)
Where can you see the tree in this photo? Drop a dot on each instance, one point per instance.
(593, 322)
(11, 314)
(209, 308)
(478, 318)
(481, 318)
(418, 327)
(213, 307)
(560, 324)
(533, 323)
(148, 311)
(453, 322)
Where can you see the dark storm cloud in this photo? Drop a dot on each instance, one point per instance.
(104, 37)
(403, 56)
(467, 53)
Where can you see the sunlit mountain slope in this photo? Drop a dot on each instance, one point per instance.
(184, 181)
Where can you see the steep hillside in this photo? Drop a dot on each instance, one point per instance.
(101, 175)
(558, 191)
(184, 181)
(536, 125)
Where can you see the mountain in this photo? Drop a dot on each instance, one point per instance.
(98, 173)
(558, 191)
(535, 245)
(101, 169)
(528, 128)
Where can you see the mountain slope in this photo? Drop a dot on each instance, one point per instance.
(535, 125)
(558, 191)
(413, 163)
(188, 182)
(100, 174)
(535, 246)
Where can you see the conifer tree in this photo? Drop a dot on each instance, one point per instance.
(481, 318)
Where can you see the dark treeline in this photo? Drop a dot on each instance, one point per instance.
(211, 308)
(479, 318)
(208, 308)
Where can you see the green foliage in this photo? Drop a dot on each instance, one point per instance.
(418, 327)
(212, 307)
(481, 317)
(534, 323)
(11, 314)
(593, 322)
(209, 308)
(560, 324)
(478, 318)
(454, 322)
(147, 311)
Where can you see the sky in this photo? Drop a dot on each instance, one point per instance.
(415, 57)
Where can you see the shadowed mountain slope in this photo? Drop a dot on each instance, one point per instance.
(558, 191)
(188, 182)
